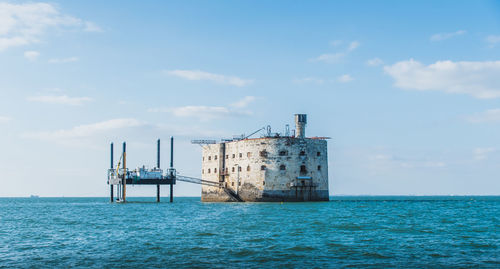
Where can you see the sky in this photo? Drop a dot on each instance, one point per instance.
(408, 91)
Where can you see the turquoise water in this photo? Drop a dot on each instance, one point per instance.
(348, 231)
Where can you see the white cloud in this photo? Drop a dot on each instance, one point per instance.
(243, 102)
(374, 62)
(353, 45)
(23, 24)
(31, 55)
(308, 80)
(206, 113)
(491, 115)
(59, 99)
(479, 79)
(336, 43)
(482, 153)
(345, 78)
(5, 119)
(444, 36)
(86, 130)
(329, 57)
(63, 60)
(92, 27)
(202, 75)
(493, 40)
(336, 57)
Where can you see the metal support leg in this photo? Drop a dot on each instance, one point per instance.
(171, 193)
(158, 193)
(111, 192)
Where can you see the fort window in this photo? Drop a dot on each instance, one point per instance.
(303, 169)
(233, 156)
(282, 167)
(249, 154)
(241, 155)
(239, 183)
(318, 153)
(227, 170)
(319, 167)
(248, 168)
(263, 153)
(263, 183)
(209, 158)
(232, 170)
(283, 153)
(227, 156)
(232, 183)
(202, 171)
(239, 168)
(263, 167)
(215, 157)
(302, 153)
(209, 170)
(215, 170)
(203, 158)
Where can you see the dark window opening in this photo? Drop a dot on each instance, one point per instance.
(248, 168)
(215, 157)
(303, 169)
(233, 156)
(283, 153)
(227, 156)
(282, 167)
(241, 155)
(239, 168)
(263, 153)
(232, 170)
(318, 153)
(263, 167)
(302, 153)
(209, 170)
(232, 183)
(263, 183)
(215, 170)
(319, 167)
(209, 158)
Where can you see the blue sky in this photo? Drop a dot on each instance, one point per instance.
(409, 92)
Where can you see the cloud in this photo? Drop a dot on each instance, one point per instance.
(482, 153)
(60, 99)
(478, 79)
(345, 78)
(353, 45)
(243, 102)
(5, 119)
(24, 24)
(31, 55)
(329, 57)
(63, 60)
(335, 43)
(336, 57)
(86, 130)
(493, 40)
(92, 27)
(374, 62)
(202, 75)
(308, 80)
(207, 113)
(444, 36)
(491, 115)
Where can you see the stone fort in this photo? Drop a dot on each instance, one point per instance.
(271, 168)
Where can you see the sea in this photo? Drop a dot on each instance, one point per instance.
(348, 231)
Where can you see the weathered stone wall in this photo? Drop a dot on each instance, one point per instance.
(271, 169)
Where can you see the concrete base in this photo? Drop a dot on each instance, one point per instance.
(268, 196)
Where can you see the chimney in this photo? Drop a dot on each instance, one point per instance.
(300, 125)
